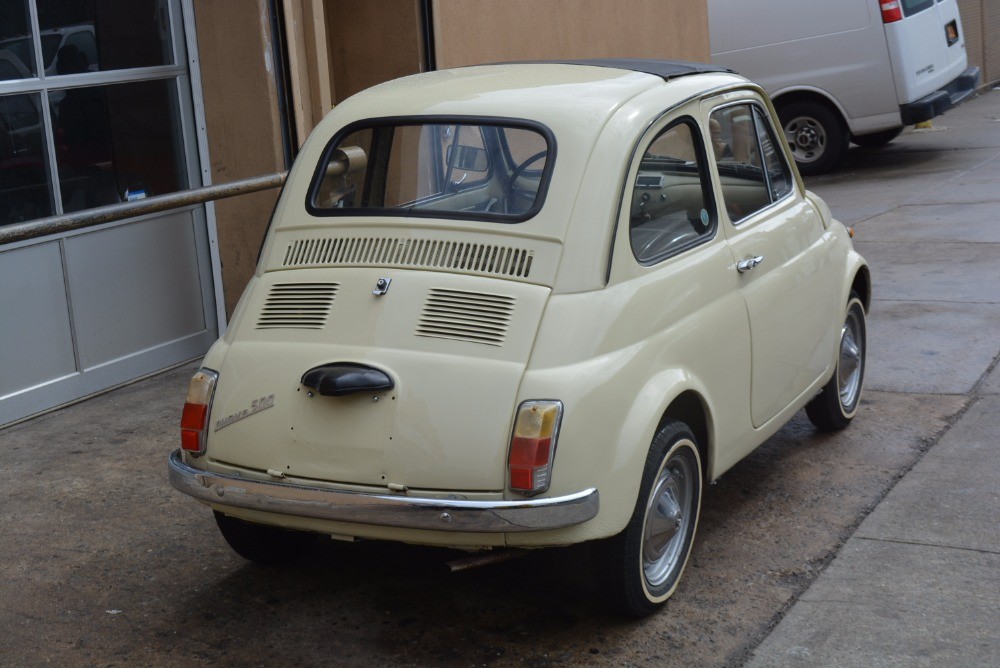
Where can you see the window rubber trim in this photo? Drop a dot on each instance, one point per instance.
(397, 212)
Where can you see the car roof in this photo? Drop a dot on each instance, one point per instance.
(597, 112)
(550, 92)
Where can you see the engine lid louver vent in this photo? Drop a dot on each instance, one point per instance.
(475, 317)
(297, 306)
(490, 259)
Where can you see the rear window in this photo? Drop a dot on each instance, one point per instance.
(472, 169)
(911, 7)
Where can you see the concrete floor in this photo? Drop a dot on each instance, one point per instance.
(103, 563)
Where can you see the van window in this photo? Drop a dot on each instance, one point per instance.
(671, 196)
(911, 7)
(752, 168)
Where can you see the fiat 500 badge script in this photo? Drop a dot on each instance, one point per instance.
(608, 285)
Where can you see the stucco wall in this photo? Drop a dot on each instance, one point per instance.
(981, 20)
(481, 31)
(243, 126)
(370, 42)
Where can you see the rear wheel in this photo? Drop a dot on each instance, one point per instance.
(640, 567)
(815, 135)
(263, 544)
(837, 403)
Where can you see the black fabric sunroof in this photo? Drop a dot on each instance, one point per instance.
(665, 69)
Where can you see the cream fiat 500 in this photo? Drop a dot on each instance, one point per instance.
(526, 305)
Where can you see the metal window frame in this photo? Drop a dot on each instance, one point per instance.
(185, 74)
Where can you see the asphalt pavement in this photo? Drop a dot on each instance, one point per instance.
(877, 546)
(918, 583)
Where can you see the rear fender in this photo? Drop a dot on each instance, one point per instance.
(649, 410)
(616, 469)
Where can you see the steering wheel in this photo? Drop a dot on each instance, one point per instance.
(519, 169)
(660, 243)
(517, 172)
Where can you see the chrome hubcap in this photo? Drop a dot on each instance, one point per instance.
(668, 515)
(806, 138)
(851, 362)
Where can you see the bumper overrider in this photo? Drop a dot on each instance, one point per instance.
(393, 510)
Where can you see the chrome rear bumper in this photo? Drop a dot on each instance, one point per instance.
(384, 509)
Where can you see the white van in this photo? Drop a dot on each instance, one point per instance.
(850, 70)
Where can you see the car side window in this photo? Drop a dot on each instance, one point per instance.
(779, 176)
(671, 207)
(753, 172)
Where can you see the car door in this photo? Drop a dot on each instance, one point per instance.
(680, 313)
(787, 275)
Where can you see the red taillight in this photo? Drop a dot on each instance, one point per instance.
(194, 418)
(193, 426)
(892, 11)
(533, 446)
(529, 463)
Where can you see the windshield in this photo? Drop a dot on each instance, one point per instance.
(473, 170)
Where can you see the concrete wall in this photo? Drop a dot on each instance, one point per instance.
(481, 31)
(981, 20)
(243, 126)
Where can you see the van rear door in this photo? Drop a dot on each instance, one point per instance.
(926, 45)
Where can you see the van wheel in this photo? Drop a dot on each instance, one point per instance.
(837, 403)
(263, 544)
(876, 139)
(640, 567)
(815, 135)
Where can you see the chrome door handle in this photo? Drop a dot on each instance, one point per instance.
(743, 266)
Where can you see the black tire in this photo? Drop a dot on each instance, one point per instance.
(837, 403)
(263, 544)
(815, 134)
(640, 567)
(877, 139)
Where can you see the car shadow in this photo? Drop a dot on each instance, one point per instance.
(767, 528)
(902, 159)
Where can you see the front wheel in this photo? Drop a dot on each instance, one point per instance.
(640, 567)
(837, 403)
(263, 544)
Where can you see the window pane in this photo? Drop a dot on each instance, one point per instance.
(911, 7)
(117, 142)
(669, 198)
(17, 51)
(434, 168)
(97, 35)
(458, 150)
(523, 145)
(778, 175)
(744, 188)
(24, 174)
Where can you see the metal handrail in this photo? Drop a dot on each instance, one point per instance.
(67, 222)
